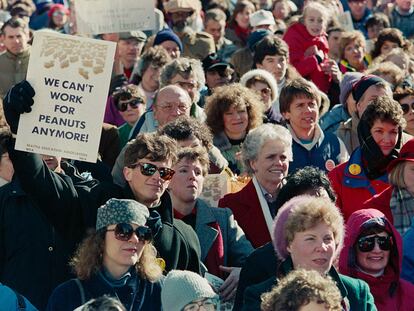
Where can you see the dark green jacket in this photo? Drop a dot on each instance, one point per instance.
(355, 292)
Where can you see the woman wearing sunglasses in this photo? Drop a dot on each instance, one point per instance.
(130, 103)
(373, 252)
(117, 260)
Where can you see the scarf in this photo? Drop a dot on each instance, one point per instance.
(375, 163)
(402, 208)
(242, 33)
(215, 256)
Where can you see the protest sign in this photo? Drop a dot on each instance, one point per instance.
(108, 16)
(70, 76)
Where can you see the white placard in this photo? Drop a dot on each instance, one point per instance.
(70, 76)
(108, 16)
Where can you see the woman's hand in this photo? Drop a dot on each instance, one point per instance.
(227, 291)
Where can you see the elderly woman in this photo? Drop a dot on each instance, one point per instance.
(263, 83)
(232, 111)
(373, 252)
(224, 246)
(308, 234)
(266, 153)
(399, 197)
(117, 259)
(365, 174)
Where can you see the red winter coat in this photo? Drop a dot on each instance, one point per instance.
(248, 213)
(299, 39)
(353, 190)
(382, 202)
(391, 293)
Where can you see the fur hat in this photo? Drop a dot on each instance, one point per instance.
(267, 76)
(182, 287)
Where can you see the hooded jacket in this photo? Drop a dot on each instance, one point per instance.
(389, 290)
(299, 40)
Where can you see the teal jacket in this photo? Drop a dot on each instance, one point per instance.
(355, 293)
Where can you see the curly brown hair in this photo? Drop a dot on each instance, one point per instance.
(299, 288)
(153, 146)
(89, 256)
(233, 95)
(389, 34)
(385, 109)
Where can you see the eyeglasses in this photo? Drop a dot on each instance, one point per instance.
(133, 104)
(124, 231)
(149, 169)
(367, 244)
(406, 107)
(208, 304)
(171, 107)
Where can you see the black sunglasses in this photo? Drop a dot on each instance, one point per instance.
(406, 107)
(133, 104)
(124, 231)
(367, 244)
(149, 169)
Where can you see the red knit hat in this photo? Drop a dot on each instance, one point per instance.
(55, 7)
(406, 154)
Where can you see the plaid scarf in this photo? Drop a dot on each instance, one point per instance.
(402, 208)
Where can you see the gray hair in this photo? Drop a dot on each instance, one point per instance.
(183, 66)
(257, 137)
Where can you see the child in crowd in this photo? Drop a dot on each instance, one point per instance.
(374, 24)
(308, 47)
(388, 39)
(300, 103)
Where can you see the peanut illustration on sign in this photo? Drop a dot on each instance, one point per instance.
(63, 53)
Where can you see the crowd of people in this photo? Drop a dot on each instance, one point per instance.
(306, 106)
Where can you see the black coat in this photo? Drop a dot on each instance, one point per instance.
(40, 225)
(137, 295)
(258, 267)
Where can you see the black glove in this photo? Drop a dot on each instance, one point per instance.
(18, 100)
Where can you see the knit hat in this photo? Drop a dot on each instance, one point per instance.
(182, 287)
(261, 17)
(279, 239)
(360, 86)
(116, 211)
(56, 7)
(167, 35)
(406, 154)
(346, 85)
(256, 36)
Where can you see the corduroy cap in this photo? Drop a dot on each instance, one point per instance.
(182, 287)
(116, 211)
